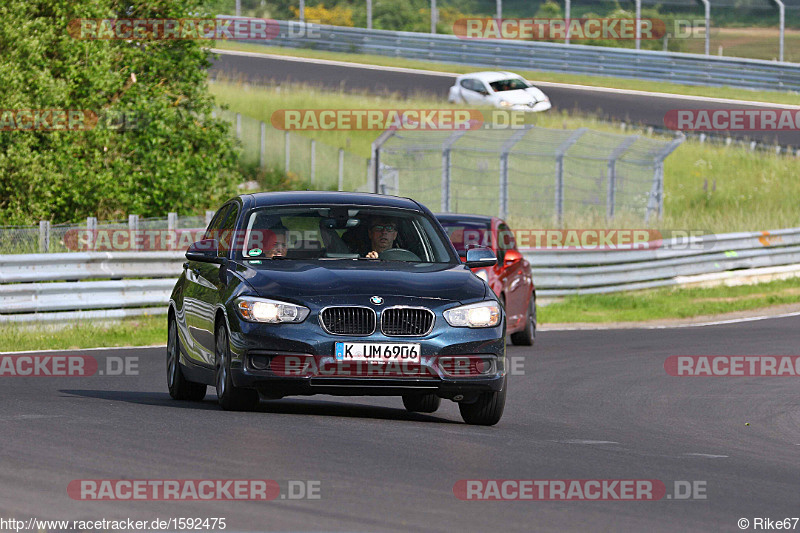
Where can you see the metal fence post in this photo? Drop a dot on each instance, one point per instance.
(172, 221)
(286, 152)
(374, 168)
(446, 166)
(611, 198)
(44, 236)
(238, 125)
(504, 151)
(341, 169)
(209, 216)
(313, 159)
(656, 200)
(782, 27)
(91, 230)
(560, 153)
(707, 6)
(262, 156)
(445, 200)
(133, 228)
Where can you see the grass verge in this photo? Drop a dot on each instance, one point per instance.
(134, 331)
(709, 187)
(554, 77)
(756, 43)
(670, 303)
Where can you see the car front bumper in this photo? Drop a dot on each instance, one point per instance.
(542, 105)
(298, 359)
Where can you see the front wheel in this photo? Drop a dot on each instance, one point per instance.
(421, 403)
(527, 336)
(229, 396)
(179, 387)
(487, 410)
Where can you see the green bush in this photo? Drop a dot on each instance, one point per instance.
(172, 157)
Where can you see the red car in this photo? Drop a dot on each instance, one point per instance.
(510, 278)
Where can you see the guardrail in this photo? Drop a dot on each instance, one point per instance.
(689, 69)
(67, 286)
(669, 263)
(74, 286)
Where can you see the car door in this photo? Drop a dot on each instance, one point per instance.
(213, 281)
(199, 294)
(473, 91)
(514, 275)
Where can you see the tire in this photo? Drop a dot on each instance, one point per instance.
(487, 410)
(527, 336)
(179, 387)
(421, 403)
(229, 396)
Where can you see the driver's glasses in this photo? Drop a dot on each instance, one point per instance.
(388, 228)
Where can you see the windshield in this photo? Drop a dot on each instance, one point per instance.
(467, 234)
(341, 232)
(513, 84)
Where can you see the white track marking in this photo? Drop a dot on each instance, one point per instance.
(73, 350)
(697, 325)
(588, 442)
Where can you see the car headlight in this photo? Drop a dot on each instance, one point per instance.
(270, 311)
(478, 315)
(482, 274)
(505, 103)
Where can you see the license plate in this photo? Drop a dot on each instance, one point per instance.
(377, 352)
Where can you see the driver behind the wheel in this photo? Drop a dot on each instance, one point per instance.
(382, 233)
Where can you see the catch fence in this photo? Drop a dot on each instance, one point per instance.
(528, 173)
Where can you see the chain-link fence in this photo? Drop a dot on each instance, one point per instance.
(133, 234)
(530, 173)
(323, 166)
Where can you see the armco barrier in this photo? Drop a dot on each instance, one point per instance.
(74, 286)
(689, 69)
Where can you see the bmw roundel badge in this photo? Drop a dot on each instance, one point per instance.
(377, 300)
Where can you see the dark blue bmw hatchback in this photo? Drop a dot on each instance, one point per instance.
(300, 293)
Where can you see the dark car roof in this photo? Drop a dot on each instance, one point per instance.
(453, 217)
(330, 197)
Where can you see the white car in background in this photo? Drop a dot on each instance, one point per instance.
(505, 90)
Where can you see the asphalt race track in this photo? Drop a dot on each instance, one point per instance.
(630, 107)
(590, 405)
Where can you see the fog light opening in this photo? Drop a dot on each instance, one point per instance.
(483, 366)
(260, 362)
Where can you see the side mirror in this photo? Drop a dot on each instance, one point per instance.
(512, 256)
(480, 257)
(204, 251)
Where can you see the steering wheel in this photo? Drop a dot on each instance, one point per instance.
(399, 254)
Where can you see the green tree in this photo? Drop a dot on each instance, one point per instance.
(172, 157)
